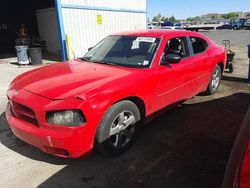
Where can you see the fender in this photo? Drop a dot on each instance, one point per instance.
(98, 101)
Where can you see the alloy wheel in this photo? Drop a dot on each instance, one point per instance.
(122, 129)
(215, 79)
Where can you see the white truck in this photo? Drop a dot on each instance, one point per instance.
(202, 26)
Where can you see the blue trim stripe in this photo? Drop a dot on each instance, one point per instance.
(101, 8)
(59, 16)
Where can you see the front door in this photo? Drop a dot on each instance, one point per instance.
(172, 83)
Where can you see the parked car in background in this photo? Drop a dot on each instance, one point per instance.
(98, 100)
(172, 27)
(225, 26)
(247, 24)
(167, 24)
(237, 23)
(180, 25)
(150, 26)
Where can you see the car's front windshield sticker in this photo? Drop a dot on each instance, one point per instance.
(145, 39)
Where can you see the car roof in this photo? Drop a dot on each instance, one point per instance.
(158, 33)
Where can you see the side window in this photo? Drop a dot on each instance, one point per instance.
(177, 46)
(199, 45)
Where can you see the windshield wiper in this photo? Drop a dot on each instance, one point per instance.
(84, 59)
(104, 62)
(100, 62)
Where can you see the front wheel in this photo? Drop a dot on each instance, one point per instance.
(214, 81)
(235, 28)
(116, 131)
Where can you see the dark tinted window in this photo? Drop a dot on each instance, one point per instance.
(177, 46)
(199, 45)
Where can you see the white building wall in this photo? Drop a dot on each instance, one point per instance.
(118, 4)
(83, 27)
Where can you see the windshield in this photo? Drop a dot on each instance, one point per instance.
(130, 51)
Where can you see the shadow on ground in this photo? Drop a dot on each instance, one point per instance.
(234, 79)
(186, 147)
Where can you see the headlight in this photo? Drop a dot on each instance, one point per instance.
(65, 117)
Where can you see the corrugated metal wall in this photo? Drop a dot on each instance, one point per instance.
(88, 21)
(118, 4)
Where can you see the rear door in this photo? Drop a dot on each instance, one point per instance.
(199, 59)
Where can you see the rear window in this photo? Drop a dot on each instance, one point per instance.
(199, 45)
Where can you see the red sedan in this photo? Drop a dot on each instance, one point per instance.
(68, 108)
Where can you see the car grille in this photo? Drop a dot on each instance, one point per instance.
(23, 112)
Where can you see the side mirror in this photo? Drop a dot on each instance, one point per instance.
(173, 58)
(170, 59)
(90, 48)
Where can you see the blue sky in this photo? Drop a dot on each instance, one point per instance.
(185, 8)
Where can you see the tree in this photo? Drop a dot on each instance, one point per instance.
(157, 18)
(166, 19)
(163, 18)
(196, 18)
(190, 19)
(231, 15)
(172, 19)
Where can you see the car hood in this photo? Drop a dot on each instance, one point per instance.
(68, 79)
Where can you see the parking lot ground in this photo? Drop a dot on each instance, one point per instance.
(239, 41)
(186, 147)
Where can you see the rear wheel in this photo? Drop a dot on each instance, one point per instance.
(214, 81)
(230, 67)
(116, 132)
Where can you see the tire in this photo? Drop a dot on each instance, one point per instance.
(214, 81)
(230, 67)
(117, 129)
(235, 28)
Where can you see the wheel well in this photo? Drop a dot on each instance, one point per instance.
(221, 66)
(139, 103)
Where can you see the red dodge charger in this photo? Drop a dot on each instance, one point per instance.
(98, 100)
